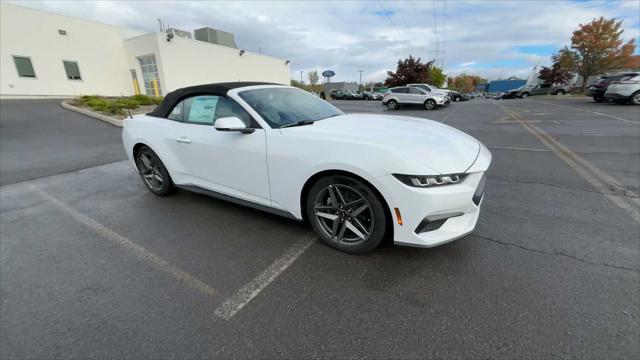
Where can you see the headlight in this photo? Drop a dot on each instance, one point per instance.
(429, 180)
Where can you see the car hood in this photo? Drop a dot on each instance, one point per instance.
(440, 147)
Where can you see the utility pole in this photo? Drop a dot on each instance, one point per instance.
(360, 88)
(300, 77)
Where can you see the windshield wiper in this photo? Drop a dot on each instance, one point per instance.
(299, 123)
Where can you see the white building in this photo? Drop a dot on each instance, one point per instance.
(50, 55)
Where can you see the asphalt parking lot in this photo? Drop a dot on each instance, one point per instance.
(94, 266)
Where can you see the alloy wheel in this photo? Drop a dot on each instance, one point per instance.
(150, 171)
(429, 105)
(636, 98)
(392, 105)
(344, 214)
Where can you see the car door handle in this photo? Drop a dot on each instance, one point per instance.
(183, 140)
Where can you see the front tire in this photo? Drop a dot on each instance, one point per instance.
(524, 95)
(598, 99)
(153, 172)
(430, 104)
(346, 214)
(635, 98)
(561, 92)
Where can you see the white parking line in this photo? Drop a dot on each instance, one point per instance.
(246, 293)
(517, 148)
(157, 262)
(588, 111)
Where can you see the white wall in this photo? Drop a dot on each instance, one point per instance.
(106, 53)
(98, 49)
(188, 62)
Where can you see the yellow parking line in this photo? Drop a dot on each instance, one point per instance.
(142, 253)
(596, 177)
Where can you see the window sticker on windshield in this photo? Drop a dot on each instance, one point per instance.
(203, 109)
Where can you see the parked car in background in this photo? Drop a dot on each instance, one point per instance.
(456, 96)
(372, 95)
(431, 89)
(537, 89)
(560, 90)
(496, 95)
(487, 95)
(599, 88)
(512, 94)
(624, 90)
(411, 95)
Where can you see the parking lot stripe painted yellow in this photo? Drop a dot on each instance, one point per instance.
(249, 291)
(139, 251)
(627, 200)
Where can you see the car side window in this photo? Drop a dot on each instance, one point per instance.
(414, 90)
(227, 107)
(206, 109)
(200, 109)
(402, 90)
(176, 113)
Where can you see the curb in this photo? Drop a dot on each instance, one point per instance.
(105, 118)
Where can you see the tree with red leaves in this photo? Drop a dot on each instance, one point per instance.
(599, 47)
(410, 70)
(564, 63)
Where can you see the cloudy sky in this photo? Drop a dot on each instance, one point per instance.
(495, 39)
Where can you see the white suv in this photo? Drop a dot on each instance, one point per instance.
(624, 90)
(432, 89)
(409, 95)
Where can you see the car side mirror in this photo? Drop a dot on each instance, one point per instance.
(232, 123)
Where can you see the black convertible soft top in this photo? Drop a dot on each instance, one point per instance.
(173, 98)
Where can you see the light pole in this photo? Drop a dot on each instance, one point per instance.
(300, 77)
(360, 71)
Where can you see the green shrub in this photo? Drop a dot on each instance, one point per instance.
(127, 103)
(142, 99)
(114, 108)
(98, 104)
(157, 100)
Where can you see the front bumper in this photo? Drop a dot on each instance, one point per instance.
(616, 96)
(434, 216)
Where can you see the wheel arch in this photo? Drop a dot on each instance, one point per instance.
(138, 145)
(324, 173)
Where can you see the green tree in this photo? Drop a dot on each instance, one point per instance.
(436, 76)
(598, 47)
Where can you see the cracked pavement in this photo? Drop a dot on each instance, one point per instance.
(552, 269)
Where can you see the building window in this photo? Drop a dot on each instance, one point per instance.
(149, 70)
(24, 66)
(72, 70)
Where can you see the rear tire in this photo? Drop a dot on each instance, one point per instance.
(153, 173)
(392, 105)
(598, 99)
(346, 214)
(430, 104)
(561, 92)
(524, 95)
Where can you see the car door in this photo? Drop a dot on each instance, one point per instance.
(402, 93)
(231, 163)
(417, 95)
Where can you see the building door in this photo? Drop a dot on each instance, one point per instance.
(150, 76)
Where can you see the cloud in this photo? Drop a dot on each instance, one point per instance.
(504, 38)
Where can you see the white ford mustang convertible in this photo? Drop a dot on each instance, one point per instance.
(356, 178)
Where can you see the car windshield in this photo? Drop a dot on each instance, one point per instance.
(287, 106)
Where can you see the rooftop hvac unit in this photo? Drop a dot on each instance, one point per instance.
(178, 32)
(215, 36)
